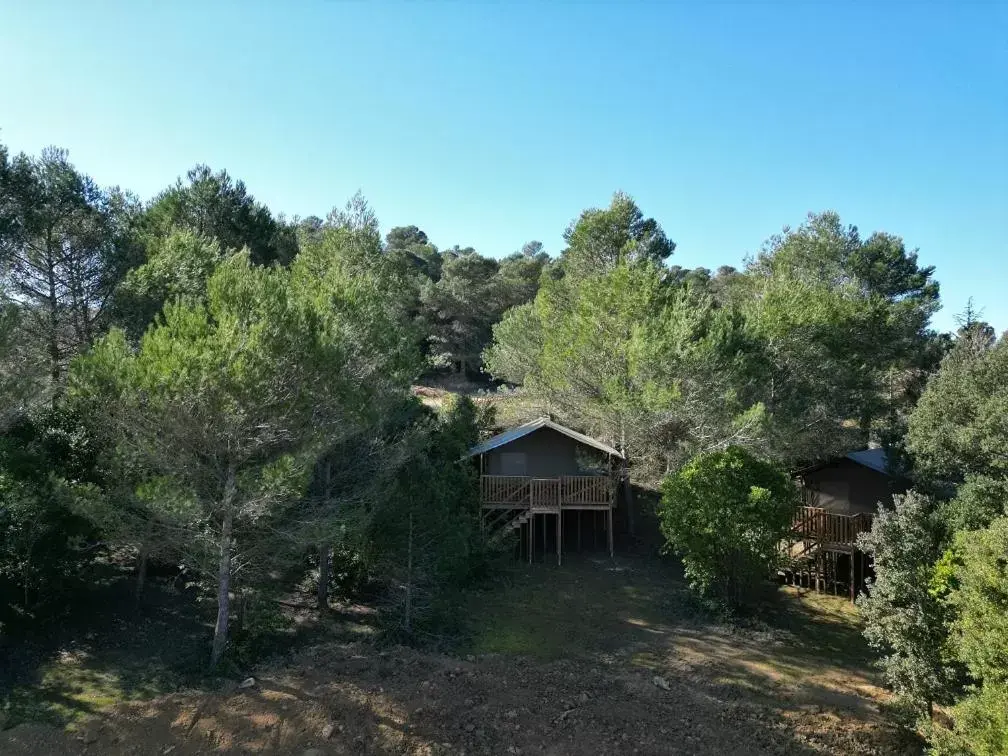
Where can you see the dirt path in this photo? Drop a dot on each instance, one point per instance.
(586, 659)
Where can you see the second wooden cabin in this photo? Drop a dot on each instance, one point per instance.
(840, 498)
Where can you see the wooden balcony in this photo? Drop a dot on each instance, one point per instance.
(829, 530)
(547, 494)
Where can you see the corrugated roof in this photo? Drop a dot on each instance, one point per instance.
(876, 459)
(512, 434)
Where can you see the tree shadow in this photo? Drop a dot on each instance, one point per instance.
(103, 650)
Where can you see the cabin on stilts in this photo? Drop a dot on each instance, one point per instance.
(839, 500)
(549, 484)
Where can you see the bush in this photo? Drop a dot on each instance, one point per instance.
(981, 725)
(980, 639)
(905, 614)
(45, 546)
(724, 514)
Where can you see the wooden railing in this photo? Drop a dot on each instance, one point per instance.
(569, 490)
(587, 490)
(545, 493)
(817, 524)
(504, 489)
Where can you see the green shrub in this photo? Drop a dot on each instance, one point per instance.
(905, 615)
(980, 640)
(981, 725)
(724, 514)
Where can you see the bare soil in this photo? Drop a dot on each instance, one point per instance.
(594, 657)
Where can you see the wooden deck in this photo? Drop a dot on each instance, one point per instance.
(512, 503)
(547, 494)
(817, 542)
(838, 532)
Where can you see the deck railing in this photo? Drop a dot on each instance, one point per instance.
(504, 489)
(820, 525)
(586, 489)
(565, 491)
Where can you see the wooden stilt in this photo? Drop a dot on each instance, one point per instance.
(610, 533)
(544, 537)
(559, 534)
(853, 589)
(579, 530)
(531, 532)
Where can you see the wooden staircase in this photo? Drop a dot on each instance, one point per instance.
(499, 525)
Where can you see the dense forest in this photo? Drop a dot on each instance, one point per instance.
(195, 381)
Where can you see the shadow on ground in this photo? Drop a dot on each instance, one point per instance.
(594, 657)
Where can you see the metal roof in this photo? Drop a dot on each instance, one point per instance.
(513, 434)
(876, 459)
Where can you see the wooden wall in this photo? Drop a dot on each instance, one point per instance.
(845, 487)
(547, 454)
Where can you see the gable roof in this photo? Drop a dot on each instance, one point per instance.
(513, 434)
(873, 459)
(876, 459)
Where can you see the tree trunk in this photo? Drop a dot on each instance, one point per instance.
(224, 573)
(143, 556)
(628, 496)
(141, 572)
(409, 579)
(325, 551)
(53, 306)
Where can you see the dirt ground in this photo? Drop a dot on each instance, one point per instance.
(594, 657)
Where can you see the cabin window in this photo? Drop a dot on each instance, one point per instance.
(513, 463)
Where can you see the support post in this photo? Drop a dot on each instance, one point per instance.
(559, 533)
(531, 533)
(579, 530)
(853, 590)
(610, 533)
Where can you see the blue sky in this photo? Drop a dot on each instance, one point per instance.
(491, 123)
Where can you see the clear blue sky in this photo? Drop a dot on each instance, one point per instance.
(492, 123)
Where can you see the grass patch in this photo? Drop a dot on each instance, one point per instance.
(583, 607)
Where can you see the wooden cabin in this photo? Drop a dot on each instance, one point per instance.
(852, 484)
(840, 498)
(545, 480)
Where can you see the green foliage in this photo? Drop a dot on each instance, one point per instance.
(177, 267)
(46, 460)
(981, 725)
(655, 367)
(64, 245)
(844, 321)
(906, 619)
(724, 514)
(957, 435)
(226, 401)
(22, 367)
(426, 532)
(460, 308)
(980, 641)
(981, 602)
(601, 239)
(957, 429)
(220, 209)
